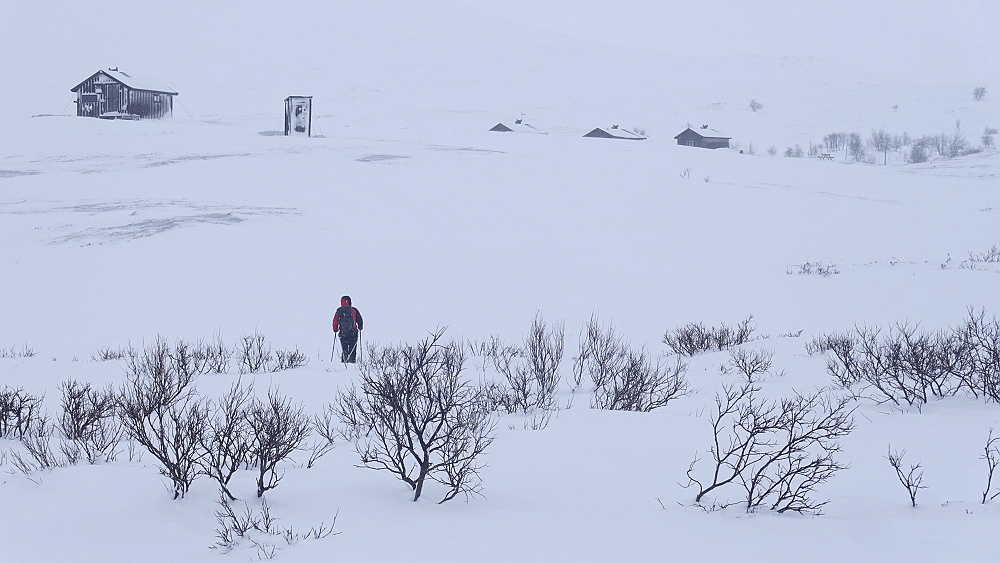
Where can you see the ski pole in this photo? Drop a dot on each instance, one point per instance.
(333, 348)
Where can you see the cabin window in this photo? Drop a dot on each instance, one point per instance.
(156, 98)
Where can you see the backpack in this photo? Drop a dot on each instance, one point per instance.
(345, 320)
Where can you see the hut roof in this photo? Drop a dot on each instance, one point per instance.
(132, 81)
(705, 132)
(614, 133)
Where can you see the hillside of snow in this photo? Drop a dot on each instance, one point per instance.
(213, 223)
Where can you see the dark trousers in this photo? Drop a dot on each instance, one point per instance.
(349, 347)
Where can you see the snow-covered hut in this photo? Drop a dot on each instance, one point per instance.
(517, 126)
(614, 132)
(705, 137)
(112, 94)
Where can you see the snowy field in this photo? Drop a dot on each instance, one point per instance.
(212, 223)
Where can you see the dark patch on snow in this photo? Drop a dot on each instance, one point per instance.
(380, 157)
(271, 133)
(16, 173)
(466, 149)
(192, 157)
(149, 227)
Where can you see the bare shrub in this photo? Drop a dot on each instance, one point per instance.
(288, 359)
(992, 456)
(227, 440)
(695, 338)
(778, 451)
(278, 428)
(623, 378)
(756, 106)
(751, 363)
(24, 351)
(414, 417)
(600, 353)
(978, 93)
(217, 355)
(160, 411)
(37, 442)
(89, 423)
(325, 427)
(235, 527)
(638, 383)
(772, 150)
(532, 379)
(254, 353)
(19, 411)
(109, 353)
(912, 479)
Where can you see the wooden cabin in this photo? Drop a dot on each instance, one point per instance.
(614, 132)
(113, 94)
(704, 137)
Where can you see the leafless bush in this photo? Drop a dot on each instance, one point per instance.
(912, 479)
(975, 261)
(532, 379)
(992, 456)
(288, 359)
(160, 411)
(906, 366)
(978, 93)
(157, 368)
(278, 428)
(24, 351)
(751, 363)
(235, 527)
(227, 440)
(414, 417)
(778, 451)
(694, 338)
(641, 384)
(325, 427)
(600, 354)
(217, 355)
(756, 106)
(813, 268)
(109, 353)
(254, 353)
(89, 423)
(19, 411)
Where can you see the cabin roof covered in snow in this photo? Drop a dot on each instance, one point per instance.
(132, 81)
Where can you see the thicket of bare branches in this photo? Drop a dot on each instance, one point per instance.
(778, 452)
(278, 428)
(19, 411)
(89, 423)
(160, 411)
(531, 373)
(908, 366)
(227, 440)
(253, 353)
(695, 338)
(624, 378)
(415, 417)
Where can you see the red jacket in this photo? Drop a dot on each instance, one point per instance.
(347, 311)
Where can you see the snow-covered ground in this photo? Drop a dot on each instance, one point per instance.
(116, 232)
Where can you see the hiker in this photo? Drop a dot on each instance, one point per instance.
(347, 323)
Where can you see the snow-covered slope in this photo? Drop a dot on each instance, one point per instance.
(115, 232)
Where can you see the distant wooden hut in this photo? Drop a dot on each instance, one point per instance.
(704, 137)
(113, 94)
(614, 132)
(517, 126)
